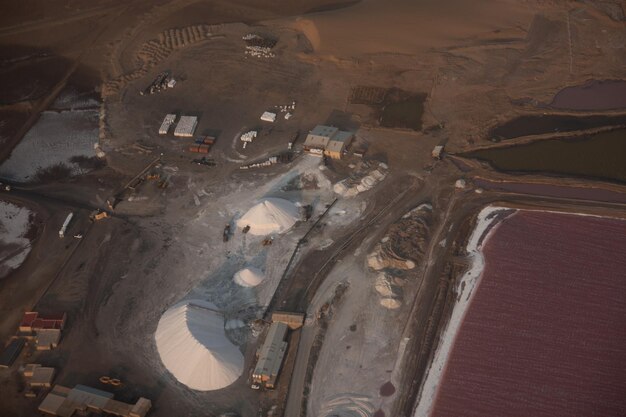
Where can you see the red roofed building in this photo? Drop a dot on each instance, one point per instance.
(32, 321)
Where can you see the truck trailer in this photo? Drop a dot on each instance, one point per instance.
(65, 224)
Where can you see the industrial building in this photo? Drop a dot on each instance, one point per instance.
(270, 356)
(327, 140)
(167, 122)
(47, 339)
(33, 321)
(38, 376)
(65, 402)
(186, 126)
(11, 352)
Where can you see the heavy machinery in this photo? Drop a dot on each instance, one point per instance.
(209, 162)
(97, 215)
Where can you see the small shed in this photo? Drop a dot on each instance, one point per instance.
(186, 126)
(141, 408)
(268, 117)
(437, 152)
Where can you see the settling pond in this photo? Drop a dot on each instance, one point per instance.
(593, 95)
(544, 124)
(600, 156)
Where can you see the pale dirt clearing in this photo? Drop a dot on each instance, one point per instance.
(55, 141)
(14, 245)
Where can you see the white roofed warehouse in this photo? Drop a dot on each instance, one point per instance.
(167, 122)
(186, 126)
(270, 356)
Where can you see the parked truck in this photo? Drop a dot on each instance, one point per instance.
(66, 223)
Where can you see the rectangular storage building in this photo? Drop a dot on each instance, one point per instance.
(167, 122)
(186, 126)
(268, 117)
(270, 357)
(11, 352)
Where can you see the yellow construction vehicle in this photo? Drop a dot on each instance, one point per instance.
(98, 215)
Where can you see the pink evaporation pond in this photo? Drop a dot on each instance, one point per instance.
(545, 334)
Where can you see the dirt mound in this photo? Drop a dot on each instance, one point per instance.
(390, 303)
(404, 245)
(310, 32)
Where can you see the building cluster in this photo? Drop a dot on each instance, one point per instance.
(45, 329)
(66, 402)
(328, 141)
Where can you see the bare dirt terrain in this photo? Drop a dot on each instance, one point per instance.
(403, 76)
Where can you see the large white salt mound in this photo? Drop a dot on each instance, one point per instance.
(249, 277)
(192, 344)
(272, 215)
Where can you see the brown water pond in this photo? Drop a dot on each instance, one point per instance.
(543, 124)
(600, 156)
(593, 95)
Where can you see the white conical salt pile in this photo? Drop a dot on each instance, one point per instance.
(192, 344)
(249, 277)
(272, 215)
